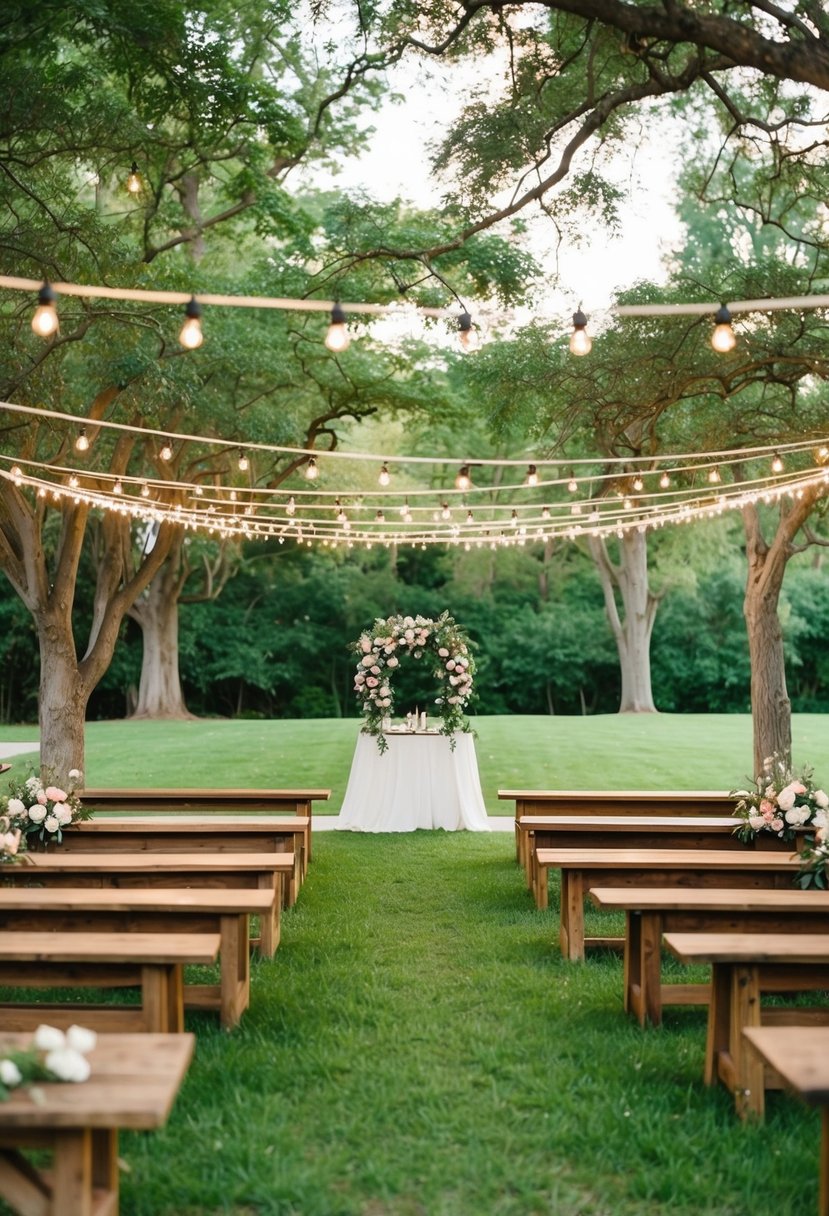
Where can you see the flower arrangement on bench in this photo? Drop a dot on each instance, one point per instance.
(53, 1055)
(780, 801)
(814, 869)
(441, 642)
(41, 810)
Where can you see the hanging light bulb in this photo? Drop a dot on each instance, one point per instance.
(337, 339)
(467, 335)
(166, 452)
(532, 475)
(290, 506)
(311, 470)
(145, 490)
(545, 512)
(777, 463)
(190, 335)
(714, 477)
(470, 518)
(199, 491)
(82, 442)
(45, 321)
(118, 487)
(73, 481)
(664, 481)
(638, 483)
(404, 510)
(580, 341)
(463, 481)
(134, 182)
(384, 477)
(445, 513)
(379, 518)
(723, 339)
(572, 484)
(514, 518)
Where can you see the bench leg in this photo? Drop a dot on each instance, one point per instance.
(749, 1078)
(719, 1020)
(542, 888)
(651, 968)
(571, 931)
(72, 1173)
(823, 1201)
(270, 922)
(235, 969)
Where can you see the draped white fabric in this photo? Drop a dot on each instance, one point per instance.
(419, 782)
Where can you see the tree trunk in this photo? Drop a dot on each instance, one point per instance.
(63, 699)
(633, 633)
(159, 691)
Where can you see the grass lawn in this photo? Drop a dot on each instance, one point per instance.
(612, 751)
(418, 1047)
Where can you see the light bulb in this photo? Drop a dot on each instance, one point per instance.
(580, 341)
(73, 481)
(134, 182)
(190, 335)
(45, 320)
(445, 513)
(572, 484)
(638, 484)
(470, 518)
(290, 506)
(664, 481)
(380, 518)
(463, 481)
(545, 512)
(145, 490)
(468, 340)
(82, 442)
(384, 476)
(514, 518)
(166, 452)
(337, 338)
(244, 463)
(532, 475)
(404, 510)
(722, 339)
(118, 487)
(311, 470)
(776, 463)
(714, 477)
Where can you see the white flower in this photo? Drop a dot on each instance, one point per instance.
(52, 823)
(68, 1065)
(37, 813)
(822, 799)
(16, 806)
(10, 1074)
(757, 822)
(81, 1039)
(63, 813)
(49, 1038)
(785, 799)
(33, 784)
(821, 819)
(75, 774)
(797, 815)
(392, 662)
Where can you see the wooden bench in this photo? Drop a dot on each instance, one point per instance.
(273, 802)
(233, 871)
(134, 1081)
(743, 966)
(800, 1057)
(213, 833)
(626, 832)
(152, 962)
(186, 910)
(650, 912)
(582, 869)
(672, 803)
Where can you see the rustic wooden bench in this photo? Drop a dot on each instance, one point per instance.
(582, 869)
(743, 966)
(234, 871)
(546, 803)
(272, 802)
(212, 833)
(626, 832)
(171, 910)
(152, 962)
(650, 912)
(800, 1057)
(134, 1081)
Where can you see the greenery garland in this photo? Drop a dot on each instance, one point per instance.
(441, 641)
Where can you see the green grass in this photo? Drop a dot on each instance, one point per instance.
(650, 751)
(418, 1047)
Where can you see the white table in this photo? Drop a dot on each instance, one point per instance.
(418, 782)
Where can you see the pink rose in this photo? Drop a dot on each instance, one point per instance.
(367, 660)
(372, 682)
(443, 652)
(365, 645)
(375, 671)
(798, 787)
(54, 794)
(450, 666)
(392, 662)
(41, 797)
(777, 825)
(766, 808)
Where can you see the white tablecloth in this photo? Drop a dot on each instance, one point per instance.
(419, 782)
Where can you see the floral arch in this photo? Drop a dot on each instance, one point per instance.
(440, 642)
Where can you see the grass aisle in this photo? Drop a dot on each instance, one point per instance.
(418, 1048)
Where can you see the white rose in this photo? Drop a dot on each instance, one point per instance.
(63, 813)
(81, 1039)
(52, 823)
(822, 798)
(49, 1038)
(757, 822)
(821, 819)
(17, 806)
(795, 815)
(392, 662)
(10, 1074)
(68, 1065)
(37, 813)
(74, 774)
(785, 799)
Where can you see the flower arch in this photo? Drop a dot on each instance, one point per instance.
(441, 642)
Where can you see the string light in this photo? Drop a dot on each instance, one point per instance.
(532, 475)
(380, 518)
(145, 490)
(463, 481)
(82, 442)
(514, 518)
(664, 481)
(580, 341)
(166, 452)
(445, 513)
(243, 462)
(45, 321)
(337, 339)
(290, 506)
(723, 339)
(118, 487)
(190, 335)
(572, 484)
(714, 477)
(777, 465)
(470, 518)
(134, 182)
(311, 470)
(638, 484)
(467, 334)
(384, 476)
